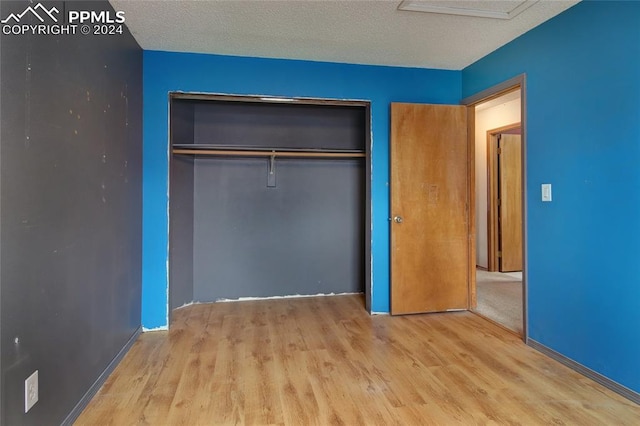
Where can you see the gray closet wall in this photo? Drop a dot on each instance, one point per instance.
(245, 238)
(181, 210)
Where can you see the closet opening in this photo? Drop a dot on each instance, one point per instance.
(268, 197)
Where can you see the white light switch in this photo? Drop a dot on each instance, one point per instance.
(546, 192)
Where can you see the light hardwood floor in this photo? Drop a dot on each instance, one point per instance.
(325, 361)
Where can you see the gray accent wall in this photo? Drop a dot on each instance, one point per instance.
(304, 236)
(181, 229)
(278, 125)
(181, 209)
(70, 212)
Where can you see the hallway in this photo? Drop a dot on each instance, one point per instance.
(500, 298)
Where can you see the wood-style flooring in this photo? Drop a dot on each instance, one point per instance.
(324, 360)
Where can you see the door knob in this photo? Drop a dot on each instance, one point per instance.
(397, 219)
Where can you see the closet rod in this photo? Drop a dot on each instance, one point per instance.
(244, 153)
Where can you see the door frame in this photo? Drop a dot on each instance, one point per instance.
(517, 82)
(492, 176)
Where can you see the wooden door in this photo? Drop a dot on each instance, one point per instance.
(429, 227)
(510, 206)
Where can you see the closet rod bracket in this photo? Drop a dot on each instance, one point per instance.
(271, 176)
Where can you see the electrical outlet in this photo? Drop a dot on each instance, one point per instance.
(30, 391)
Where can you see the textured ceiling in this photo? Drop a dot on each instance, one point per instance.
(352, 31)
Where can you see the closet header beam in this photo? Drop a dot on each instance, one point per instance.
(266, 99)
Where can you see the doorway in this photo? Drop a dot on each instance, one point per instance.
(408, 293)
(504, 199)
(499, 165)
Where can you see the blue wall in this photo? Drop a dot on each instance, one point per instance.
(583, 136)
(165, 72)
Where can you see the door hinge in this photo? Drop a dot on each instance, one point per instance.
(499, 202)
(499, 151)
(499, 253)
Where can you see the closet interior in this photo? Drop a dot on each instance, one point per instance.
(268, 197)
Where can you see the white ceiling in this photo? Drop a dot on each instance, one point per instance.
(351, 31)
(500, 100)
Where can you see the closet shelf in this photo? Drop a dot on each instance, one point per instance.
(192, 149)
